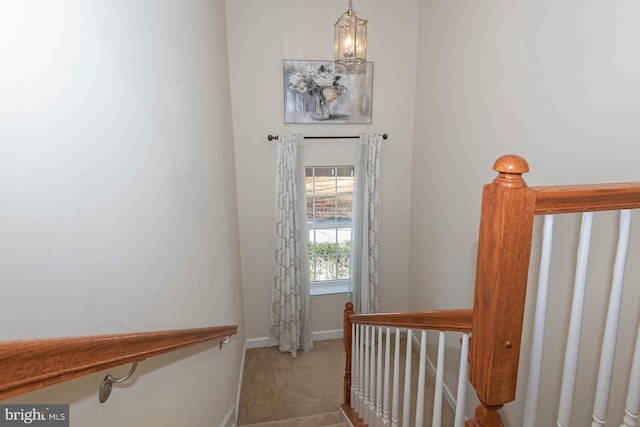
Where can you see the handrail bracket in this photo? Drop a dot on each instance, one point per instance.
(107, 383)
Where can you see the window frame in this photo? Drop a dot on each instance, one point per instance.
(336, 286)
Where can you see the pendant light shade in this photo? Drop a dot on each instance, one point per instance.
(350, 38)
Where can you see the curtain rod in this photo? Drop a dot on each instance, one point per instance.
(276, 137)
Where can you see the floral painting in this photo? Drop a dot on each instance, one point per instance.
(317, 92)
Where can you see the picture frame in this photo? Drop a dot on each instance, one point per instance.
(318, 92)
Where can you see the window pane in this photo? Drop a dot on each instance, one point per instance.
(312, 242)
(312, 268)
(326, 235)
(344, 171)
(343, 208)
(325, 207)
(344, 185)
(344, 235)
(324, 171)
(325, 186)
(343, 266)
(326, 267)
(310, 208)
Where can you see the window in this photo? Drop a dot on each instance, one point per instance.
(329, 193)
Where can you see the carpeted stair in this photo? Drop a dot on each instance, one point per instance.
(329, 419)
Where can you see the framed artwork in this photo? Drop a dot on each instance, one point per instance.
(317, 92)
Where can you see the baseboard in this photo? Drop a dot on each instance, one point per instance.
(330, 334)
(431, 368)
(344, 417)
(229, 419)
(244, 352)
(256, 342)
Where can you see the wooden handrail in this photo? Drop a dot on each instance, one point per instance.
(586, 198)
(32, 364)
(458, 320)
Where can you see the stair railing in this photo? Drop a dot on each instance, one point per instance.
(372, 392)
(496, 321)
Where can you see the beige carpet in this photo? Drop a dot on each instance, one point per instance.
(330, 419)
(277, 387)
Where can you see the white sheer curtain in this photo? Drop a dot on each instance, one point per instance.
(290, 300)
(365, 271)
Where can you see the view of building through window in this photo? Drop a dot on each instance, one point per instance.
(329, 192)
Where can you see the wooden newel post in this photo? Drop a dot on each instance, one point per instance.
(348, 311)
(504, 246)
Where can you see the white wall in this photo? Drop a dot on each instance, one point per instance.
(555, 82)
(263, 34)
(117, 196)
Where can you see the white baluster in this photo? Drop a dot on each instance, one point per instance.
(379, 380)
(396, 381)
(362, 373)
(632, 408)
(365, 408)
(385, 403)
(535, 364)
(462, 382)
(372, 379)
(437, 396)
(354, 364)
(406, 406)
(608, 350)
(421, 376)
(575, 324)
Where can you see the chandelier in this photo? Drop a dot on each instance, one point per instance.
(350, 38)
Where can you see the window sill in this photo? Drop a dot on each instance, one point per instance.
(328, 289)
